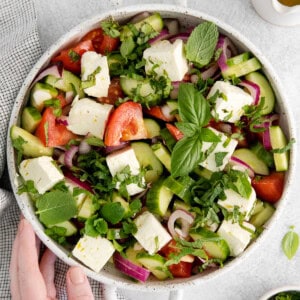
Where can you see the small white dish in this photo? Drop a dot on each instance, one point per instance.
(286, 288)
(276, 13)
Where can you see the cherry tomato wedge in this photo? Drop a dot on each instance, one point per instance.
(114, 92)
(102, 42)
(51, 133)
(175, 132)
(126, 123)
(269, 188)
(156, 112)
(71, 57)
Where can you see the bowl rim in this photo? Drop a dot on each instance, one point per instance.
(284, 288)
(154, 286)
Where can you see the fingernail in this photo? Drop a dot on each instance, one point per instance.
(76, 275)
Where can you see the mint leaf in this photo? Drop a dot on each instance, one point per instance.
(201, 44)
(57, 233)
(192, 105)
(95, 226)
(290, 243)
(219, 157)
(186, 155)
(113, 212)
(55, 207)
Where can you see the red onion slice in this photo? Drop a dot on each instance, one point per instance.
(55, 70)
(139, 17)
(69, 155)
(253, 88)
(110, 149)
(84, 147)
(129, 268)
(69, 96)
(163, 35)
(210, 72)
(186, 218)
(180, 36)
(228, 50)
(241, 164)
(76, 181)
(63, 120)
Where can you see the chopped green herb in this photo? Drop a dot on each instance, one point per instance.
(111, 28)
(73, 55)
(112, 212)
(95, 226)
(18, 145)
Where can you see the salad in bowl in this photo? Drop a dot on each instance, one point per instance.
(152, 145)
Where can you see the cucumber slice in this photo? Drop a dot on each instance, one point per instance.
(202, 172)
(162, 154)
(278, 141)
(152, 127)
(213, 244)
(258, 207)
(117, 198)
(31, 118)
(178, 204)
(155, 264)
(180, 187)
(159, 198)
(266, 91)
(131, 254)
(40, 93)
(147, 158)
(238, 59)
(33, 147)
(69, 226)
(87, 209)
(242, 68)
(173, 105)
(115, 63)
(251, 159)
(263, 215)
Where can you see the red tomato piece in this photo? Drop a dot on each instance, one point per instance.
(176, 133)
(62, 99)
(51, 133)
(156, 112)
(269, 188)
(71, 57)
(114, 92)
(126, 123)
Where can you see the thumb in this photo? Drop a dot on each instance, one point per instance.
(78, 286)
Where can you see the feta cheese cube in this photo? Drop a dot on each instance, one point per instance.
(118, 160)
(150, 233)
(90, 61)
(165, 57)
(88, 116)
(94, 252)
(42, 171)
(220, 155)
(234, 199)
(236, 236)
(230, 102)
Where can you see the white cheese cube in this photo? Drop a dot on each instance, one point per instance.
(165, 57)
(150, 233)
(219, 157)
(236, 236)
(42, 171)
(88, 116)
(90, 61)
(230, 102)
(118, 160)
(234, 199)
(94, 252)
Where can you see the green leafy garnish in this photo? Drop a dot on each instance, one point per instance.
(18, 145)
(57, 233)
(201, 44)
(91, 79)
(113, 212)
(290, 243)
(111, 28)
(285, 148)
(55, 206)
(95, 226)
(55, 104)
(94, 141)
(73, 55)
(28, 187)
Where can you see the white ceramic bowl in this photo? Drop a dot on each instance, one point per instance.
(274, 292)
(188, 17)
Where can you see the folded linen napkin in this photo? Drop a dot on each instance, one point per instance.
(19, 50)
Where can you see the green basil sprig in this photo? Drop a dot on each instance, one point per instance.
(290, 243)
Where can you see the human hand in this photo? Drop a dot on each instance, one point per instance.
(33, 280)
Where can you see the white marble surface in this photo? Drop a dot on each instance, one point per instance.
(266, 267)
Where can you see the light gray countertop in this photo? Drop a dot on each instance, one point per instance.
(266, 267)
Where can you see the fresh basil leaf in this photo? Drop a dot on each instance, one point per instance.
(192, 105)
(113, 212)
(209, 136)
(219, 157)
(201, 44)
(240, 183)
(55, 207)
(290, 244)
(186, 155)
(188, 129)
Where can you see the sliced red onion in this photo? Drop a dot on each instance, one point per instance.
(180, 36)
(210, 72)
(109, 149)
(84, 147)
(267, 139)
(69, 96)
(228, 50)
(129, 268)
(186, 220)
(55, 70)
(172, 25)
(242, 165)
(253, 88)
(163, 35)
(174, 93)
(76, 181)
(139, 17)
(63, 120)
(69, 155)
